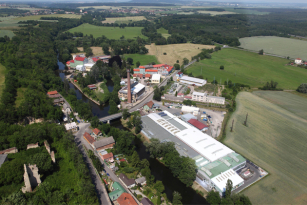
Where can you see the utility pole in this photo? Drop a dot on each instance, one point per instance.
(232, 125)
(245, 122)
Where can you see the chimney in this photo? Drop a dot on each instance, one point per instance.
(129, 86)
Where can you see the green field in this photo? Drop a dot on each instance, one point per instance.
(127, 19)
(144, 59)
(109, 32)
(7, 33)
(249, 68)
(246, 11)
(275, 139)
(276, 45)
(2, 78)
(164, 32)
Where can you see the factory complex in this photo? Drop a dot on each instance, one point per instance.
(216, 163)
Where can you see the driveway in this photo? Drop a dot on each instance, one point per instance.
(99, 186)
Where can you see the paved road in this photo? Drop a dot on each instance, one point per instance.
(100, 188)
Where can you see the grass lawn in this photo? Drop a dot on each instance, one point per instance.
(164, 32)
(20, 96)
(275, 139)
(127, 19)
(207, 87)
(249, 68)
(276, 45)
(6, 32)
(109, 32)
(144, 59)
(2, 78)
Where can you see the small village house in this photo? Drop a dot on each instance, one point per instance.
(155, 78)
(129, 183)
(96, 133)
(117, 191)
(89, 139)
(141, 181)
(104, 143)
(298, 61)
(108, 157)
(148, 105)
(146, 201)
(71, 127)
(126, 199)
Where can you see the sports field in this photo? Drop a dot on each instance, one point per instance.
(249, 68)
(164, 32)
(276, 140)
(143, 59)
(175, 52)
(276, 45)
(2, 78)
(7, 33)
(109, 32)
(126, 20)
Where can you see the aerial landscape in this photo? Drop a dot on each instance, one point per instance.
(153, 103)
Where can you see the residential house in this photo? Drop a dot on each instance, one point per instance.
(104, 143)
(89, 138)
(108, 157)
(96, 133)
(92, 87)
(146, 201)
(129, 183)
(141, 181)
(126, 199)
(147, 76)
(53, 94)
(155, 78)
(117, 191)
(3, 158)
(148, 105)
(298, 61)
(71, 127)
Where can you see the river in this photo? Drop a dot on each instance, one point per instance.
(158, 170)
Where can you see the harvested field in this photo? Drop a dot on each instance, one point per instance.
(249, 68)
(175, 52)
(109, 32)
(96, 50)
(127, 19)
(275, 139)
(276, 45)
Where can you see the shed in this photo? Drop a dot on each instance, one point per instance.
(198, 124)
(187, 117)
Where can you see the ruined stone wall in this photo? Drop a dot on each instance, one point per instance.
(30, 146)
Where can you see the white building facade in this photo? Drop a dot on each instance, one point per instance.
(203, 97)
(190, 81)
(155, 78)
(298, 61)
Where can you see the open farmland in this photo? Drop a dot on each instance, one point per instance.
(109, 32)
(214, 13)
(276, 45)
(275, 139)
(126, 20)
(6, 33)
(37, 17)
(143, 59)
(175, 52)
(249, 68)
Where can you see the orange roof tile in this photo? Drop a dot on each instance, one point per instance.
(89, 138)
(107, 155)
(136, 69)
(147, 75)
(96, 131)
(52, 92)
(149, 70)
(126, 199)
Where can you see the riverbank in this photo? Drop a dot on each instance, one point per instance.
(77, 86)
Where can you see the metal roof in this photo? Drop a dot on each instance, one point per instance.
(191, 79)
(103, 142)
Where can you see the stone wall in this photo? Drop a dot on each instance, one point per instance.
(9, 151)
(31, 178)
(49, 151)
(30, 146)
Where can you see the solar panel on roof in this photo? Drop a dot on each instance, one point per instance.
(161, 113)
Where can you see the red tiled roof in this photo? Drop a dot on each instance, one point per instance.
(135, 75)
(149, 104)
(126, 199)
(93, 85)
(197, 124)
(71, 61)
(158, 65)
(136, 69)
(179, 73)
(79, 58)
(107, 155)
(298, 59)
(95, 59)
(141, 67)
(189, 97)
(52, 92)
(89, 138)
(122, 160)
(170, 68)
(96, 131)
(180, 94)
(147, 75)
(149, 70)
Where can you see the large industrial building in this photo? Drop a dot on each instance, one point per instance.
(216, 162)
(162, 69)
(192, 81)
(137, 90)
(203, 97)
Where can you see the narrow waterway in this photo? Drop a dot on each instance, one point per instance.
(158, 170)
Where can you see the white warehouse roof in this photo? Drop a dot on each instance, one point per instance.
(193, 80)
(199, 93)
(202, 143)
(137, 88)
(189, 109)
(70, 126)
(221, 180)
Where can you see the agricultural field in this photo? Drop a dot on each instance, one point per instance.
(276, 45)
(175, 52)
(126, 20)
(143, 59)
(164, 32)
(97, 51)
(214, 13)
(275, 139)
(246, 11)
(6, 33)
(109, 32)
(249, 68)
(2, 78)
